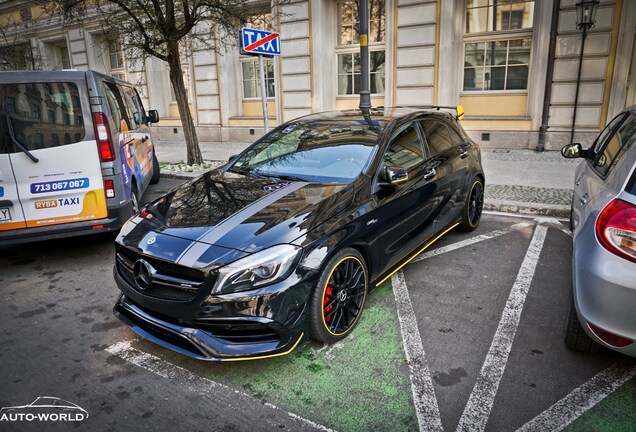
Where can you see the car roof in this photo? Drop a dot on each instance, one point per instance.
(26, 76)
(378, 116)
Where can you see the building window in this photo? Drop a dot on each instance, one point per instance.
(252, 81)
(348, 49)
(497, 44)
(116, 59)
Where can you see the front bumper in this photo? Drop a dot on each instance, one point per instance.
(604, 290)
(195, 342)
(267, 322)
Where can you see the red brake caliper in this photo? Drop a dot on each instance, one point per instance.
(327, 300)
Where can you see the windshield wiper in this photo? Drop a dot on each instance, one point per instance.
(20, 146)
(282, 176)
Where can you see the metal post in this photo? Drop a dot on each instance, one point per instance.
(263, 92)
(365, 94)
(578, 82)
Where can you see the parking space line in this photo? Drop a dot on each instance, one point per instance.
(424, 399)
(581, 399)
(472, 240)
(200, 384)
(481, 400)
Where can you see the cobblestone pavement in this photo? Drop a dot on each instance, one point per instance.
(526, 155)
(529, 194)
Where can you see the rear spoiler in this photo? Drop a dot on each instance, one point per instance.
(459, 110)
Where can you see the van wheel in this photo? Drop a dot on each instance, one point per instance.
(471, 215)
(575, 337)
(156, 170)
(134, 198)
(338, 300)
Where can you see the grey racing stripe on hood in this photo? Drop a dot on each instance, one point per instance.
(191, 255)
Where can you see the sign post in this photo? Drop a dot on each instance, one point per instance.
(261, 43)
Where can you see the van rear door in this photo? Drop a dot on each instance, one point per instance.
(52, 121)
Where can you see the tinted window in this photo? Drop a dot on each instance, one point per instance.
(455, 135)
(437, 135)
(40, 115)
(116, 107)
(598, 144)
(615, 147)
(133, 107)
(405, 149)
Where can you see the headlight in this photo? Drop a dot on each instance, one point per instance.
(263, 268)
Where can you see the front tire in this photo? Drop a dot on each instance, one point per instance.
(339, 297)
(156, 170)
(471, 214)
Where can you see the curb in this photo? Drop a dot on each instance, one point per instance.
(531, 209)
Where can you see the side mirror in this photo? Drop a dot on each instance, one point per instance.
(153, 116)
(573, 151)
(394, 175)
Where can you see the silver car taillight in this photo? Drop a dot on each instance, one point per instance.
(616, 229)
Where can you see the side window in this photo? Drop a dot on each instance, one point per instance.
(455, 135)
(133, 109)
(437, 135)
(600, 141)
(616, 147)
(116, 108)
(405, 150)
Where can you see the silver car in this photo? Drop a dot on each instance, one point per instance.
(603, 222)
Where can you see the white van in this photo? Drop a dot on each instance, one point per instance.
(75, 154)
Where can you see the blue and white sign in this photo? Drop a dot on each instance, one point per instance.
(260, 41)
(1, 191)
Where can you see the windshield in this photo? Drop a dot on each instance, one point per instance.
(316, 152)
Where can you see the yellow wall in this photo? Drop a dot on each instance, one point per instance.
(507, 125)
(354, 103)
(494, 105)
(255, 108)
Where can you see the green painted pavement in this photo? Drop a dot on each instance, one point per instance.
(361, 383)
(616, 413)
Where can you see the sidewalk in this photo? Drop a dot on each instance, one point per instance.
(517, 181)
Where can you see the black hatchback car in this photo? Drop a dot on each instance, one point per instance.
(286, 240)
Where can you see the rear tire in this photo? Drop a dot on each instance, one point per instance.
(338, 299)
(575, 337)
(156, 170)
(471, 214)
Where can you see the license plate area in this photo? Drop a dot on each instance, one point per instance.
(5, 214)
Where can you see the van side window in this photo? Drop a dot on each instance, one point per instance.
(437, 135)
(135, 112)
(115, 108)
(39, 114)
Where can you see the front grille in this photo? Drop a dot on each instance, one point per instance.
(171, 282)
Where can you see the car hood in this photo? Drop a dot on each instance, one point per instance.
(245, 213)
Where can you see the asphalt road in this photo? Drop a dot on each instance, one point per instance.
(469, 337)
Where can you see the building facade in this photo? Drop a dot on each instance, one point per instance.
(491, 56)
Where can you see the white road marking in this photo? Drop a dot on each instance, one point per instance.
(581, 399)
(197, 383)
(424, 399)
(522, 216)
(472, 240)
(477, 410)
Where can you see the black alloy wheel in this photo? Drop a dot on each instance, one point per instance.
(339, 297)
(474, 206)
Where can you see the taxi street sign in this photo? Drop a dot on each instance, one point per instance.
(260, 42)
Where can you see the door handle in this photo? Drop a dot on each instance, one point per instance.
(584, 199)
(429, 174)
(578, 181)
(144, 139)
(463, 153)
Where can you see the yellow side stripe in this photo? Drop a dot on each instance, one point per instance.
(419, 252)
(267, 356)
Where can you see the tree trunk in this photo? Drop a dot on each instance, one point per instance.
(176, 78)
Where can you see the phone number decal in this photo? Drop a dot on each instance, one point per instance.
(60, 185)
